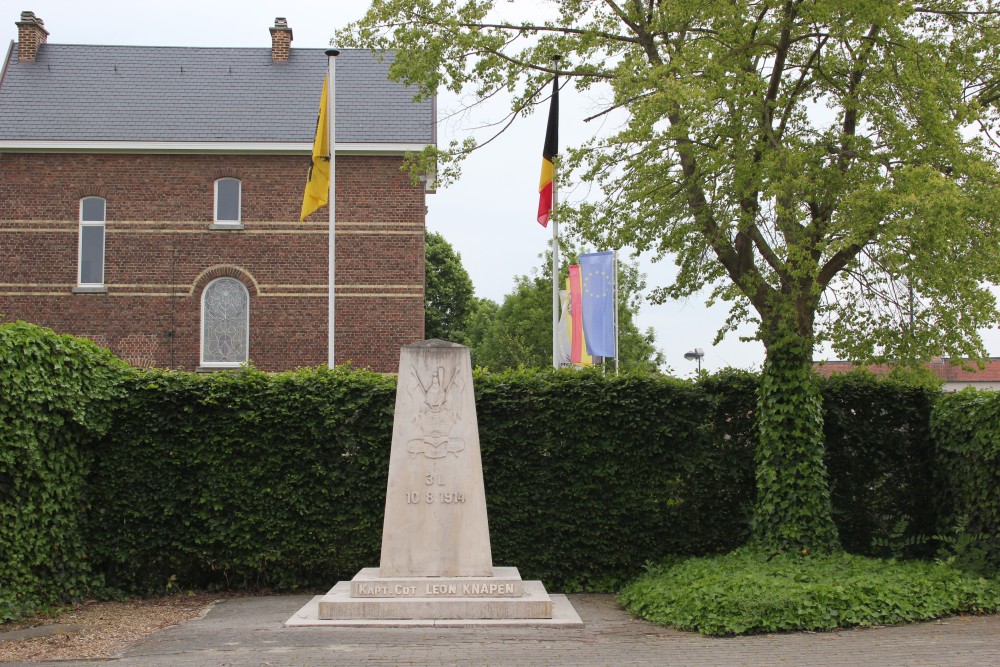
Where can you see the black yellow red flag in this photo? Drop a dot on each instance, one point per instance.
(549, 151)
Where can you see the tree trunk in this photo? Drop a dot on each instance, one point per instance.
(793, 511)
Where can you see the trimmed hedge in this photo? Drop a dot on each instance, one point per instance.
(242, 479)
(966, 429)
(57, 394)
(278, 480)
(246, 479)
(880, 459)
(588, 477)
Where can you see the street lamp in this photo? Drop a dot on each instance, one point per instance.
(695, 356)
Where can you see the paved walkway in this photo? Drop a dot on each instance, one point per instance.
(249, 632)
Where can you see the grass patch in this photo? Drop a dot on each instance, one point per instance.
(746, 593)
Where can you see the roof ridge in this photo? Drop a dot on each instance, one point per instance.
(192, 48)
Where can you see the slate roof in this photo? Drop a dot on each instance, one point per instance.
(187, 94)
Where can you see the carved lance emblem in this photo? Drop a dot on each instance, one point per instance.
(438, 414)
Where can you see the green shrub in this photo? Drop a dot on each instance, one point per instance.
(247, 479)
(57, 396)
(966, 429)
(747, 593)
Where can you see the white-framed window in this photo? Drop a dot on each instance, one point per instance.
(90, 271)
(228, 201)
(225, 323)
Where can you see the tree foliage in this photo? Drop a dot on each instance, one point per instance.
(827, 167)
(450, 301)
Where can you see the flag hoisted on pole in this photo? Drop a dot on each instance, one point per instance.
(547, 182)
(318, 180)
(598, 275)
(547, 201)
(578, 355)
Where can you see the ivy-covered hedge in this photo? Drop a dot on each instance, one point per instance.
(966, 429)
(57, 394)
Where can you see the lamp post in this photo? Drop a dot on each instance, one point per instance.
(696, 355)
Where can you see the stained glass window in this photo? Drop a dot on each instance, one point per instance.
(225, 323)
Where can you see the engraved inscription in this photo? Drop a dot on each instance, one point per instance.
(487, 589)
(442, 588)
(371, 589)
(431, 497)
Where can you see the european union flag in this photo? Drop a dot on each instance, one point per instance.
(597, 269)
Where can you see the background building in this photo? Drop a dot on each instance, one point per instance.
(150, 198)
(950, 371)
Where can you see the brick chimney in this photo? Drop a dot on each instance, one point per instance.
(281, 40)
(31, 34)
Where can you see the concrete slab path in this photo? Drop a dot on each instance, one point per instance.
(248, 632)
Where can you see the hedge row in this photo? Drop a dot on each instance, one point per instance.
(248, 479)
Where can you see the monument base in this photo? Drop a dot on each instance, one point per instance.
(372, 601)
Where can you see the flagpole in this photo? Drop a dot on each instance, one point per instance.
(332, 201)
(555, 279)
(618, 361)
(555, 247)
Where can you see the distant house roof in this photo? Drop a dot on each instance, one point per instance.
(949, 370)
(186, 94)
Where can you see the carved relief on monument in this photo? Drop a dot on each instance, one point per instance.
(440, 411)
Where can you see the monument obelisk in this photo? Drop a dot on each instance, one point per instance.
(435, 505)
(436, 564)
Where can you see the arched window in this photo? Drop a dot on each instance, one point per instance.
(91, 268)
(225, 323)
(228, 193)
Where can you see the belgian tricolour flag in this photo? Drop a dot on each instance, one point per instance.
(549, 151)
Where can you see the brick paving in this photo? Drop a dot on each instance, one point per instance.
(249, 632)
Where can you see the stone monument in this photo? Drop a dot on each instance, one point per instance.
(436, 565)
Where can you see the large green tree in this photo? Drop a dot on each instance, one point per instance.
(828, 167)
(450, 299)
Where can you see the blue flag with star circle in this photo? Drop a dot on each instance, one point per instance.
(597, 273)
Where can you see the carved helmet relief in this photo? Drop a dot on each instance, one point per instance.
(440, 406)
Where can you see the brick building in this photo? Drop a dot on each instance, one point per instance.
(150, 197)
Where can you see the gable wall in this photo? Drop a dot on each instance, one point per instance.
(160, 254)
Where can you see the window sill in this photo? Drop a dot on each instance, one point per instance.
(226, 226)
(217, 369)
(90, 289)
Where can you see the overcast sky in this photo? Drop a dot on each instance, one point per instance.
(488, 216)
